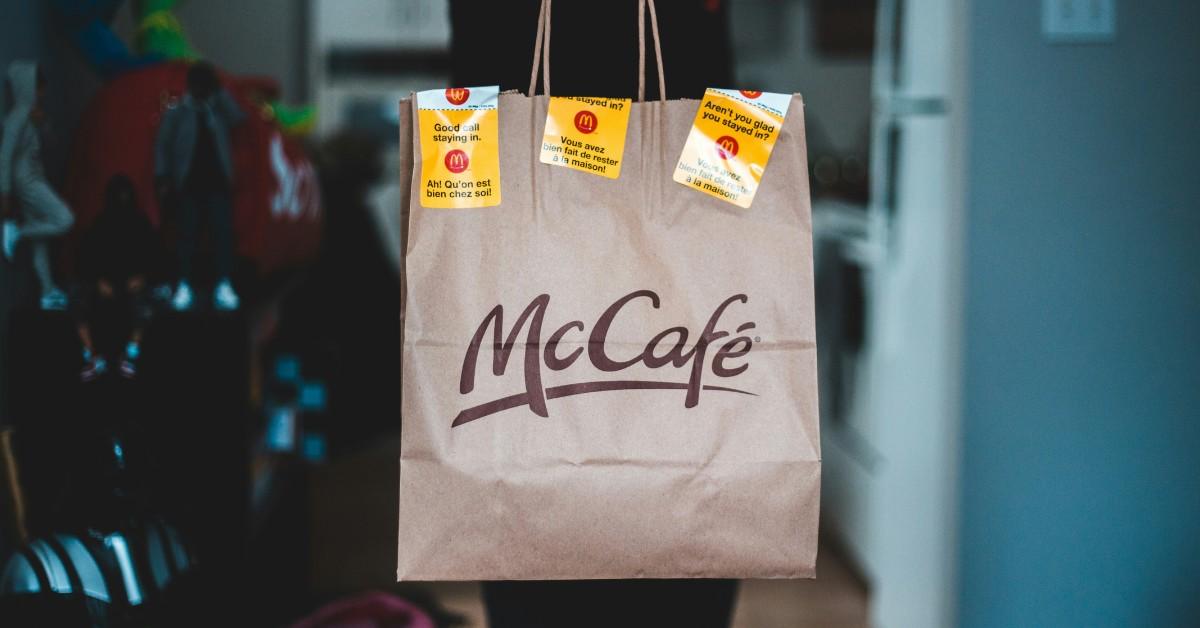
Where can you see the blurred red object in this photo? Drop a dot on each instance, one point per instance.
(369, 610)
(276, 198)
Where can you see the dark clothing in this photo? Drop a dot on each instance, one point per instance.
(125, 308)
(120, 244)
(193, 152)
(112, 319)
(695, 44)
(206, 173)
(605, 603)
(216, 207)
(205, 197)
(179, 131)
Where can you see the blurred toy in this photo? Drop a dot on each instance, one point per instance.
(160, 34)
(276, 209)
(116, 258)
(86, 25)
(264, 92)
(23, 185)
(277, 212)
(294, 120)
(193, 166)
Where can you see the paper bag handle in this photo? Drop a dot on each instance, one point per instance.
(541, 50)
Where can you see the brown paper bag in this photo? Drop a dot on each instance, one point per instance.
(578, 397)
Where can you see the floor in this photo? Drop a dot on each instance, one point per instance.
(835, 599)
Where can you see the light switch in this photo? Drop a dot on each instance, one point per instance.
(1079, 21)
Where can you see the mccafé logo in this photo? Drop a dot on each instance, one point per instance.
(457, 161)
(457, 95)
(668, 349)
(585, 121)
(726, 147)
(751, 94)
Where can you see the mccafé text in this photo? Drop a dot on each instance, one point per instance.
(672, 348)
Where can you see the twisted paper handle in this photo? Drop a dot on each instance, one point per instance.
(541, 50)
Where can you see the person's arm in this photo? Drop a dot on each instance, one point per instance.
(229, 108)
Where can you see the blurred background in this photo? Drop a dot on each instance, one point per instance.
(1007, 241)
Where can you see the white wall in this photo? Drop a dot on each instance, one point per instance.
(889, 489)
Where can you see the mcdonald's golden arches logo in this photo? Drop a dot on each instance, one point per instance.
(585, 121)
(726, 147)
(457, 161)
(457, 95)
(596, 143)
(731, 140)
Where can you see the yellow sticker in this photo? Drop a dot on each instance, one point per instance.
(586, 134)
(730, 143)
(460, 147)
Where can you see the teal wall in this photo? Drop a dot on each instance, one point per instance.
(1081, 452)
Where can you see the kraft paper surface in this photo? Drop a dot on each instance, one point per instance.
(610, 378)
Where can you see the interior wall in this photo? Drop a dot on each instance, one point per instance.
(1080, 498)
(263, 37)
(775, 51)
(22, 31)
